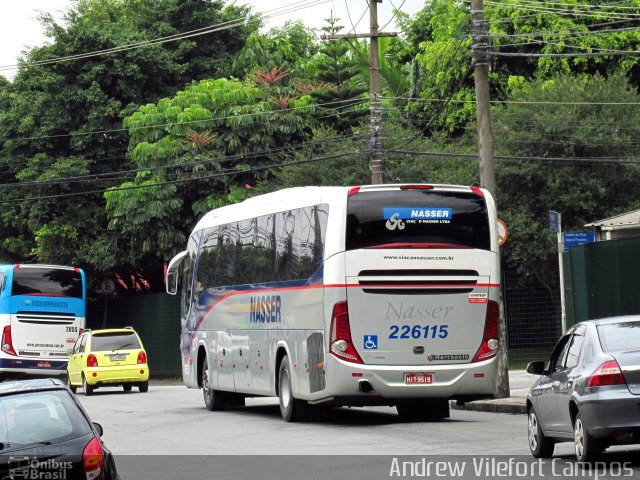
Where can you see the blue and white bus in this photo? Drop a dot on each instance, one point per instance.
(372, 295)
(42, 313)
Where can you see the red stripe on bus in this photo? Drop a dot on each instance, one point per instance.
(314, 287)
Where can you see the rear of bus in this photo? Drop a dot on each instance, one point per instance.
(419, 314)
(43, 309)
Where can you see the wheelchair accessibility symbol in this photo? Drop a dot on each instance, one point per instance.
(370, 342)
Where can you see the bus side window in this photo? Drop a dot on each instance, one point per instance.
(288, 246)
(3, 280)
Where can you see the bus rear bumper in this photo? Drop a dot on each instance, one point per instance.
(33, 367)
(356, 384)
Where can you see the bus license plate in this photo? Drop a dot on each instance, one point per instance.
(418, 378)
(117, 357)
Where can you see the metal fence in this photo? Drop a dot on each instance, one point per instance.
(533, 317)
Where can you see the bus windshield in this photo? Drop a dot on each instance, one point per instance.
(415, 218)
(52, 282)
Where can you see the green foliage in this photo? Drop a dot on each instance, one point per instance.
(48, 114)
(338, 71)
(290, 48)
(565, 124)
(191, 141)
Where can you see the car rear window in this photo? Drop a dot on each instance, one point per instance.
(620, 337)
(54, 282)
(40, 417)
(114, 341)
(396, 217)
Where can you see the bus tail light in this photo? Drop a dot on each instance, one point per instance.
(340, 336)
(92, 361)
(489, 347)
(142, 357)
(93, 460)
(7, 343)
(608, 373)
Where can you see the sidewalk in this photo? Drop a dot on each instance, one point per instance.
(519, 382)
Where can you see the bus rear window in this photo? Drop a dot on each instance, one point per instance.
(46, 282)
(418, 218)
(105, 342)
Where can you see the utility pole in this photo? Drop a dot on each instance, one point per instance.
(376, 162)
(376, 159)
(487, 167)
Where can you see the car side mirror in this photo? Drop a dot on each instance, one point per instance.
(98, 428)
(536, 368)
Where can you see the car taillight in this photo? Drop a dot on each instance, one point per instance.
(92, 361)
(609, 373)
(416, 187)
(340, 337)
(477, 191)
(93, 460)
(7, 343)
(489, 346)
(142, 357)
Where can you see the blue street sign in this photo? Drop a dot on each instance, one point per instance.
(554, 221)
(575, 239)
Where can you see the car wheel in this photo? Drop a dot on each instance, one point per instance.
(587, 448)
(423, 410)
(540, 445)
(143, 387)
(127, 387)
(73, 388)
(88, 389)
(292, 409)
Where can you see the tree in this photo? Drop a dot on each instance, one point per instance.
(342, 92)
(64, 120)
(200, 150)
(588, 117)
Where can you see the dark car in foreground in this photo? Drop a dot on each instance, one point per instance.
(45, 433)
(589, 392)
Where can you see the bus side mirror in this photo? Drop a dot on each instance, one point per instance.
(173, 273)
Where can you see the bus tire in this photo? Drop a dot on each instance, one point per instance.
(423, 410)
(213, 399)
(73, 388)
(292, 409)
(88, 389)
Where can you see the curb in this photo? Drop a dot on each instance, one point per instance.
(493, 406)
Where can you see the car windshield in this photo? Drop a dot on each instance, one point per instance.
(620, 337)
(40, 418)
(107, 342)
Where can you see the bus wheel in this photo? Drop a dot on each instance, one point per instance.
(213, 399)
(88, 389)
(292, 410)
(71, 387)
(423, 410)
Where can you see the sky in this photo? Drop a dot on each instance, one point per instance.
(20, 29)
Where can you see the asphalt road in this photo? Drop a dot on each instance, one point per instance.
(173, 419)
(167, 433)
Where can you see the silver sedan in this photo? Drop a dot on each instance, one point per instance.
(589, 392)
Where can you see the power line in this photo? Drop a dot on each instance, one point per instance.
(190, 122)
(563, 12)
(289, 8)
(126, 173)
(176, 182)
(395, 12)
(522, 102)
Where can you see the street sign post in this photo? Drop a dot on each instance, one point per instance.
(555, 225)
